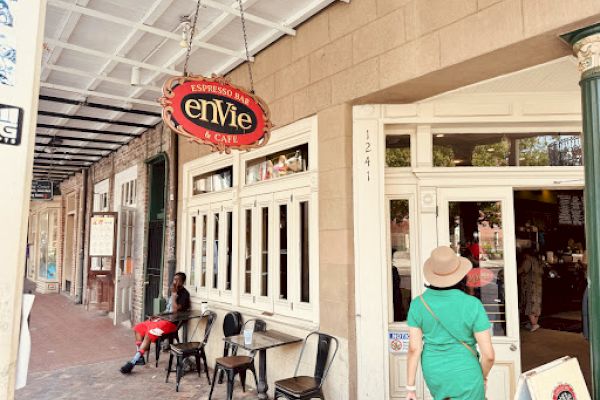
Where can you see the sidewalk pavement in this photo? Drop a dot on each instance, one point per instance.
(76, 354)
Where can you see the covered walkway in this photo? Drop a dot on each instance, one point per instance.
(77, 354)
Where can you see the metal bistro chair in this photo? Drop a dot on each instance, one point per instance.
(189, 349)
(235, 364)
(171, 337)
(232, 325)
(309, 387)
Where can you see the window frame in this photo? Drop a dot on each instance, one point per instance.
(241, 197)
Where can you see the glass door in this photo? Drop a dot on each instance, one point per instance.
(478, 223)
(402, 274)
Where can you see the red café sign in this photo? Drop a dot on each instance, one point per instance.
(214, 112)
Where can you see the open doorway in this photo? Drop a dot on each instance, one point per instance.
(156, 229)
(550, 241)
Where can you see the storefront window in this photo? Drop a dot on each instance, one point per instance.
(192, 236)
(277, 165)
(203, 250)
(476, 233)
(48, 244)
(304, 254)
(264, 273)
(501, 150)
(213, 181)
(248, 254)
(126, 240)
(215, 277)
(228, 249)
(401, 260)
(397, 151)
(283, 252)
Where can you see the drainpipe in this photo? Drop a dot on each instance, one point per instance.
(79, 280)
(586, 47)
(172, 202)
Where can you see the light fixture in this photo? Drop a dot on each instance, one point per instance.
(135, 76)
(440, 135)
(186, 30)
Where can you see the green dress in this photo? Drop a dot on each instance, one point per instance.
(450, 369)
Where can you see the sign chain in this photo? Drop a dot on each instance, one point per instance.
(190, 39)
(246, 46)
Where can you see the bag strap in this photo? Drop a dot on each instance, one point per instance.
(448, 330)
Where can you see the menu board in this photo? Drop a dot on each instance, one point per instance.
(102, 235)
(570, 209)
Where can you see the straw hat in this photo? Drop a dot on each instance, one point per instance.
(444, 268)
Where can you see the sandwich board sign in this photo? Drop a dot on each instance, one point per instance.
(558, 380)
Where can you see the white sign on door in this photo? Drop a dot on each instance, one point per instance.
(102, 235)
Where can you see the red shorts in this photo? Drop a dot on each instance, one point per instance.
(144, 328)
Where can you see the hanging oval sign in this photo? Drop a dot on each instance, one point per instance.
(479, 277)
(214, 112)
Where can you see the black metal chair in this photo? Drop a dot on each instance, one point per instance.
(235, 364)
(309, 387)
(232, 325)
(189, 349)
(170, 337)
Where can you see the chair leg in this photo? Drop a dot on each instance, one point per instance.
(230, 378)
(212, 386)
(203, 356)
(169, 367)
(179, 371)
(157, 346)
(243, 379)
(251, 368)
(197, 357)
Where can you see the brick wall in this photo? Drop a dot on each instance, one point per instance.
(136, 153)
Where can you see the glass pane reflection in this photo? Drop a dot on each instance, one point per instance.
(401, 262)
(476, 233)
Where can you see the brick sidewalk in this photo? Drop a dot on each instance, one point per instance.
(76, 354)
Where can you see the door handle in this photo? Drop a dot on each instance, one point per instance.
(146, 282)
(513, 347)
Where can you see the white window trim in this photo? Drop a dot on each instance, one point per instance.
(269, 193)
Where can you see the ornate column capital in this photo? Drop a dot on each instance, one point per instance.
(587, 51)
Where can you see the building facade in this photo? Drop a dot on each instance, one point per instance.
(359, 72)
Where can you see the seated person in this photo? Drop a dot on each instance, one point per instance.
(149, 331)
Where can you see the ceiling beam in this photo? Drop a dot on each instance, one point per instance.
(109, 56)
(73, 71)
(67, 146)
(260, 43)
(58, 168)
(69, 22)
(68, 151)
(60, 163)
(98, 94)
(206, 34)
(234, 10)
(53, 156)
(140, 26)
(85, 103)
(80, 139)
(92, 119)
(86, 130)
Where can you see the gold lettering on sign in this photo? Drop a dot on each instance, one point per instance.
(222, 113)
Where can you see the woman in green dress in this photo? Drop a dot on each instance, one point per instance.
(445, 325)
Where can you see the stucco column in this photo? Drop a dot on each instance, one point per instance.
(22, 36)
(586, 46)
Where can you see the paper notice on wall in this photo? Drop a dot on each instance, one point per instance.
(102, 235)
(398, 342)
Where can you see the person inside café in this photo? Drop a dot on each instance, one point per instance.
(149, 331)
